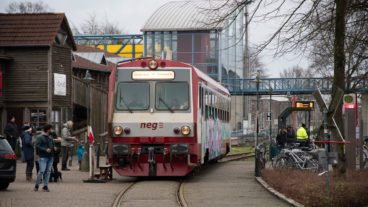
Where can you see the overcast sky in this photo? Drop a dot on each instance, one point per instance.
(132, 14)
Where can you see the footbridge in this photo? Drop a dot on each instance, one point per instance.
(284, 86)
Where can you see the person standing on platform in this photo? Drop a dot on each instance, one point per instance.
(57, 142)
(66, 142)
(302, 136)
(28, 151)
(290, 135)
(11, 132)
(80, 153)
(46, 147)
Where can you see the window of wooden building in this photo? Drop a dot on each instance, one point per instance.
(38, 117)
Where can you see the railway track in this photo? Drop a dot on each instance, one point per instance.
(235, 157)
(121, 194)
(180, 195)
(180, 199)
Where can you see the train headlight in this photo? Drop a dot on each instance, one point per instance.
(152, 64)
(118, 130)
(185, 130)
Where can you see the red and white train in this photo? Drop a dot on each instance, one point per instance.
(166, 118)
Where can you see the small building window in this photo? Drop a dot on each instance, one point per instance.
(38, 117)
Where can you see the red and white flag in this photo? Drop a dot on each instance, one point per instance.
(91, 138)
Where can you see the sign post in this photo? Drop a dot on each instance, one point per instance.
(350, 129)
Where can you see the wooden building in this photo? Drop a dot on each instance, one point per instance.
(96, 62)
(35, 68)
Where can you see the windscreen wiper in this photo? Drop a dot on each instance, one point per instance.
(167, 106)
(126, 105)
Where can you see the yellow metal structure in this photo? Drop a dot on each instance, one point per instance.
(126, 52)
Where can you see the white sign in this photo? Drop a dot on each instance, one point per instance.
(269, 116)
(245, 126)
(153, 75)
(59, 84)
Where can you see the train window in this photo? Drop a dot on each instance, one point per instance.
(132, 96)
(172, 96)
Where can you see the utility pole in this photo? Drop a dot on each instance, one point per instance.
(270, 114)
(257, 164)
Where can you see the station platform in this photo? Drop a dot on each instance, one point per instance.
(221, 184)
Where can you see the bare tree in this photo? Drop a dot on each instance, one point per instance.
(297, 31)
(109, 27)
(295, 72)
(356, 51)
(255, 64)
(92, 25)
(27, 7)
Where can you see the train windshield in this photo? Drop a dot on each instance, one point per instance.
(132, 96)
(172, 96)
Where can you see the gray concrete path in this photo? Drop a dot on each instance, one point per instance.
(228, 184)
(68, 193)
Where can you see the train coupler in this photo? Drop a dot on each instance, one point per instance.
(164, 158)
(151, 162)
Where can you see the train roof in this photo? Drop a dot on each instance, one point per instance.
(170, 63)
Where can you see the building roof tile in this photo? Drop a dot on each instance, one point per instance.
(39, 29)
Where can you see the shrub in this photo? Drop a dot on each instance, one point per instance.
(311, 190)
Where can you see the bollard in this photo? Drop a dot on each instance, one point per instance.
(85, 162)
(258, 164)
(106, 152)
(98, 155)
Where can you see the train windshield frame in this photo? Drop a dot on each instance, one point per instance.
(172, 96)
(133, 96)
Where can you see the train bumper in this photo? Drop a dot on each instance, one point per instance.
(155, 160)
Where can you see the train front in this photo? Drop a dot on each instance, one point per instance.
(153, 130)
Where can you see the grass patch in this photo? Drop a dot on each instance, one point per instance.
(310, 189)
(241, 149)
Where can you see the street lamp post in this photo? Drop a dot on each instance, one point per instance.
(257, 158)
(86, 161)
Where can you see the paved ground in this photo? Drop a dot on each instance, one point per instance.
(71, 192)
(222, 184)
(228, 184)
(157, 193)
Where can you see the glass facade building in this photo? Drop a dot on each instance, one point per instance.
(219, 51)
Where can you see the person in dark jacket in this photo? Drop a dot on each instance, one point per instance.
(11, 132)
(34, 141)
(45, 147)
(27, 148)
(57, 141)
(281, 138)
(290, 135)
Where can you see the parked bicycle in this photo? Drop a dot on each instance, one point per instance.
(294, 157)
(365, 153)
